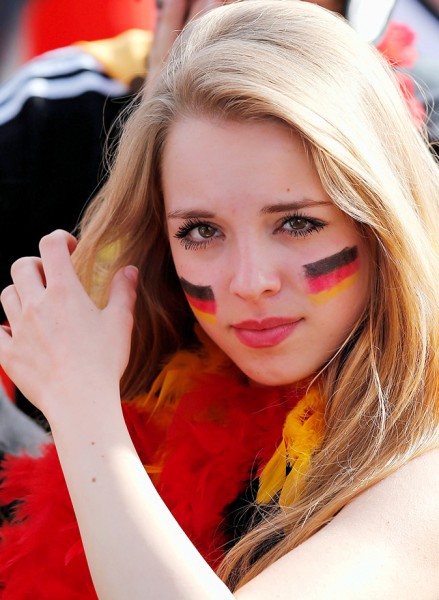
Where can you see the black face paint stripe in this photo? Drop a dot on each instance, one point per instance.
(331, 263)
(200, 292)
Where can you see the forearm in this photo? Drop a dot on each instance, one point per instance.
(134, 547)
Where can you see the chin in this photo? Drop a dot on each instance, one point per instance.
(269, 377)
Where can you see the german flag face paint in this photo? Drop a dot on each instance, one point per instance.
(332, 275)
(201, 300)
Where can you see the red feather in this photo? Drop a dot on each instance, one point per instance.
(42, 558)
(209, 444)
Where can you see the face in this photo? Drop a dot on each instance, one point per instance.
(275, 273)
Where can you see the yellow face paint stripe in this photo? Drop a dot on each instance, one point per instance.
(208, 317)
(327, 295)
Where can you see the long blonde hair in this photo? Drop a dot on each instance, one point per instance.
(298, 64)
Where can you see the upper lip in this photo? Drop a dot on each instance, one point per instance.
(268, 323)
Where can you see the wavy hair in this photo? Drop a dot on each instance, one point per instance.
(298, 64)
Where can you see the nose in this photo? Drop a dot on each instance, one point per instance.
(254, 273)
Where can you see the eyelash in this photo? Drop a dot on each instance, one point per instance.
(184, 230)
(315, 225)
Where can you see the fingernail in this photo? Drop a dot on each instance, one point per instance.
(131, 273)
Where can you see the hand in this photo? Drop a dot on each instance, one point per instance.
(58, 342)
(172, 16)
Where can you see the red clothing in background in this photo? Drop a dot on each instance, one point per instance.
(50, 24)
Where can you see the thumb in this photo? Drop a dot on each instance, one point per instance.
(122, 295)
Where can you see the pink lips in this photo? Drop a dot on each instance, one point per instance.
(266, 333)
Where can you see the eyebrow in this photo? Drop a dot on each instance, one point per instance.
(280, 207)
(290, 206)
(190, 214)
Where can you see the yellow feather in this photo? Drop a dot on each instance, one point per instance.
(302, 434)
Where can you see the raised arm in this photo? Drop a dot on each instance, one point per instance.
(67, 357)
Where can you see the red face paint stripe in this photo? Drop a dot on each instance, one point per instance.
(206, 306)
(326, 282)
(327, 295)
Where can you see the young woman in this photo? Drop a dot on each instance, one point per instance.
(277, 212)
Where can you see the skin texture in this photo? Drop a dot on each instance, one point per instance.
(220, 180)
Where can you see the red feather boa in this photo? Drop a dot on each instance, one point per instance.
(209, 444)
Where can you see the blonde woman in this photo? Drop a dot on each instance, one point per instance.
(276, 211)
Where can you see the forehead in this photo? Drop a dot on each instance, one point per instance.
(234, 161)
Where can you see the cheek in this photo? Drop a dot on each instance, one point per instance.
(331, 276)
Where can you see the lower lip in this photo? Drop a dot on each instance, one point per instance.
(265, 338)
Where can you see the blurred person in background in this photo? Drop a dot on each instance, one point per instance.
(421, 18)
(50, 24)
(10, 12)
(57, 110)
(55, 119)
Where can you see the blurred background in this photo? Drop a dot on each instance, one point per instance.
(423, 17)
(30, 27)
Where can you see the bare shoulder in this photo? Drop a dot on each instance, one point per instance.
(400, 516)
(384, 544)
(412, 491)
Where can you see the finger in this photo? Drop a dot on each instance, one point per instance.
(173, 13)
(200, 7)
(5, 349)
(171, 17)
(6, 329)
(5, 339)
(28, 276)
(11, 304)
(122, 297)
(56, 250)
